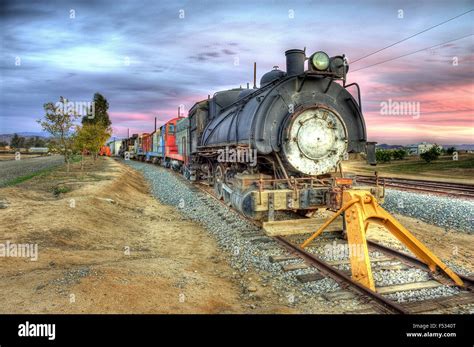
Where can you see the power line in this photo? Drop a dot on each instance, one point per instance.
(409, 37)
(407, 54)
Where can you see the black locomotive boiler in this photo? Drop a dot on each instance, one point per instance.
(296, 129)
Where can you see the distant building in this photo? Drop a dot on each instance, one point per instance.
(43, 150)
(418, 148)
(412, 149)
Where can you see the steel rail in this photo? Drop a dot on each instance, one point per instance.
(407, 258)
(408, 181)
(342, 278)
(429, 187)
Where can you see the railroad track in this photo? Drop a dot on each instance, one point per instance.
(294, 258)
(382, 303)
(439, 188)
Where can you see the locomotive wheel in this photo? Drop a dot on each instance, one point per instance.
(218, 180)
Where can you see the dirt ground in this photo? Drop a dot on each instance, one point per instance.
(106, 245)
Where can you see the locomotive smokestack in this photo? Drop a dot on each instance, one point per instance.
(295, 62)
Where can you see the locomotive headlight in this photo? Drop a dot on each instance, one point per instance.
(320, 61)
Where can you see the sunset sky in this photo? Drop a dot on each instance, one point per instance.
(148, 57)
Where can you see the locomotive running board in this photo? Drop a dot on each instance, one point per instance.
(359, 209)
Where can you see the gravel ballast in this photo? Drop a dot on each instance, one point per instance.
(249, 249)
(445, 212)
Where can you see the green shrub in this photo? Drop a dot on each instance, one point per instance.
(383, 155)
(450, 150)
(432, 154)
(61, 190)
(399, 154)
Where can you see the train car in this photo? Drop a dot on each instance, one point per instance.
(154, 155)
(171, 157)
(183, 144)
(136, 143)
(146, 143)
(105, 151)
(128, 147)
(165, 149)
(115, 146)
(143, 146)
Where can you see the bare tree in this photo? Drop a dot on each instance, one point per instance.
(59, 122)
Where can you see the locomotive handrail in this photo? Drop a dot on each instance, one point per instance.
(358, 94)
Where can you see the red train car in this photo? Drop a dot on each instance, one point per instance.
(105, 151)
(171, 149)
(146, 142)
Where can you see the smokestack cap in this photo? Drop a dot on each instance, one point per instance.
(295, 59)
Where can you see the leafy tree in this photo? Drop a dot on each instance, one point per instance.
(30, 142)
(3, 143)
(17, 141)
(59, 122)
(432, 154)
(91, 137)
(99, 114)
(35, 142)
(383, 156)
(399, 154)
(450, 150)
(40, 142)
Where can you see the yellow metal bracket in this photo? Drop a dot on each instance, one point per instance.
(361, 208)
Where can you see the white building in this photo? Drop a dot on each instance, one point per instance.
(420, 147)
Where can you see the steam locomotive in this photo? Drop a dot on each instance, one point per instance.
(277, 147)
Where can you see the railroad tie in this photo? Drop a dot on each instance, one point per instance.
(279, 258)
(294, 266)
(311, 277)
